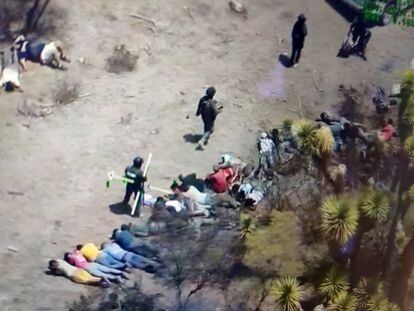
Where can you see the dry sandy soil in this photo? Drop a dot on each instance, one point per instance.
(60, 162)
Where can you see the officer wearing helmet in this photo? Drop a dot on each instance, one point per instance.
(135, 173)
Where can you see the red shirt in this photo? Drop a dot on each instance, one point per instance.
(221, 179)
(387, 132)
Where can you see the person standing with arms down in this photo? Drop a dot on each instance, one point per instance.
(207, 108)
(135, 173)
(299, 32)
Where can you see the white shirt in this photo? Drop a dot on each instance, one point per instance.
(266, 145)
(48, 52)
(256, 196)
(67, 268)
(176, 204)
(196, 195)
(10, 75)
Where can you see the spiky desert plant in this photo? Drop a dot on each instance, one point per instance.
(375, 205)
(246, 226)
(378, 301)
(333, 284)
(409, 194)
(305, 133)
(343, 302)
(409, 146)
(339, 218)
(323, 142)
(288, 293)
(406, 107)
(362, 294)
(287, 124)
(391, 307)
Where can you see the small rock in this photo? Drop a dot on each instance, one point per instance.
(82, 60)
(182, 93)
(187, 116)
(238, 7)
(12, 249)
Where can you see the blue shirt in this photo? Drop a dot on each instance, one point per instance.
(124, 239)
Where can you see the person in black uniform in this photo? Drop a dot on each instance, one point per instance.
(207, 108)
(360, 35)
(299, 32)
(134, 172)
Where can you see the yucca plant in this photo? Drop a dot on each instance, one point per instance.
(343, 302)
(375, 205)
(409, 194)
(305, 133)
(409, 146)
(391, 307)
(362, 294)
(378, 301)
(287, 124)
(339, 218)
(323, 142)
(288, 293)
(406, 107)
(246, 226)
(334, 284)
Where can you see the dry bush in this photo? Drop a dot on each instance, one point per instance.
(66, 92)
(121, 60)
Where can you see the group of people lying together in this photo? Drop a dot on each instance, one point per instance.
(347, 133)
(23, 50)
(88, 264)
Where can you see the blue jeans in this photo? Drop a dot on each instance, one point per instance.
(108, 261)
(143, 249)
(139, 262)
(101, 271)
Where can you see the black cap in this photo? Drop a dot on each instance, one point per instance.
(138, 161)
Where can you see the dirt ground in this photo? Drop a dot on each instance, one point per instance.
(59, 163)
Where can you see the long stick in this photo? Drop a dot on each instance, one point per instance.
(165, 191)
(138, 197)
(145, 19)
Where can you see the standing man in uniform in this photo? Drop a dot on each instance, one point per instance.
(207, 108)
(299, 32)
(135, 173)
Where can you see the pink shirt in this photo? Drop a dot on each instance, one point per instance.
(76, 258)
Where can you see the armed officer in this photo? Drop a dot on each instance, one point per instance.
(135, 173)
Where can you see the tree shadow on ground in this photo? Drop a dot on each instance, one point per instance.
(119, 208)
(285, 60)
(192, 138)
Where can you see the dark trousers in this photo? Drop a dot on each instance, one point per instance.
(130, 188)
(208, 130)
(296, 51)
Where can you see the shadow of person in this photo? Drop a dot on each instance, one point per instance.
(192, 138)
(119, 208)
(285, 60)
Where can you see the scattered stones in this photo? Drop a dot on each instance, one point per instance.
(238, 7)
(31, 108)
(12, 249)
(82, 60)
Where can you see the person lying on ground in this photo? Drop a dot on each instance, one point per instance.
(221, 180)
(108, 274)
(77, 275)
(45, 53)
(388, 130)
(351, 132)
(203, 198)
(192, 180)
(249, 194)
(267, 150)
(10, 74)
(92, 253)
(137, 261)
(124, 238)
(327, 119)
